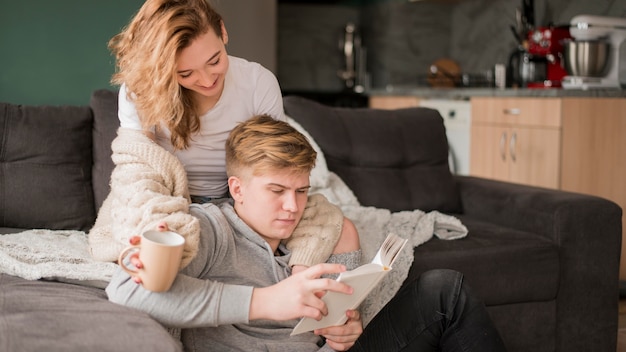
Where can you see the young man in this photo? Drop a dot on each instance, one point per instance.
(238, 292)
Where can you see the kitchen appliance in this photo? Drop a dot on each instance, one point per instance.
(525, 68)
(545, 45)
(456, 116)
(587, 58)
(589, 28)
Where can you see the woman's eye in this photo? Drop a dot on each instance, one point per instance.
(214, 62)
(186, 75)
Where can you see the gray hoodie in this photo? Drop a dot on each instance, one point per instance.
(210, 298)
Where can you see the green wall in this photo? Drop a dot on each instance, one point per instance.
(54, 52)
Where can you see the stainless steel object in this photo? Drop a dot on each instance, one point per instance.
(586, 58)
(354, 74)
(612, 30)
(350, 42)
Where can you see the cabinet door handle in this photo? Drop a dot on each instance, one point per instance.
(503, 146)
(512, 144)
(512, 111)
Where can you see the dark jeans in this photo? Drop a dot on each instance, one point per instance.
(436, 312)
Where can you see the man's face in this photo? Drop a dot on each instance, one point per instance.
(271, 204)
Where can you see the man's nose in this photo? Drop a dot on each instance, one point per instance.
(290, 203)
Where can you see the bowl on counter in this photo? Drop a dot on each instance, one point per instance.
(586, 58)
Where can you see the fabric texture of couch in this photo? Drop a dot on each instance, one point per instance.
(544, 261)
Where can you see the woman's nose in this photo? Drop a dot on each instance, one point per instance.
(205, 78)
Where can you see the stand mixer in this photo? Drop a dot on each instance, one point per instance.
(589, 28)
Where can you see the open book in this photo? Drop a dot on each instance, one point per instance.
(362, 279)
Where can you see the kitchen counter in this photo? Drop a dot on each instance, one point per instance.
(467, 93)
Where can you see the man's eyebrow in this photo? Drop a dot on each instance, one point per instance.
(209, 60)
(285, 187)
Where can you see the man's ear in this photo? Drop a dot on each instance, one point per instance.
(224, 33)
(235, 188)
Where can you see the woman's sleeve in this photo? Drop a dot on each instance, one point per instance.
(148, 187)
(317, 233)
(126, 111)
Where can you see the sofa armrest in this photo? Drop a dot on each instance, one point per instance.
(588, 232)
(547, 212)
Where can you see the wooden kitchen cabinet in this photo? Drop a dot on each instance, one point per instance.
(391, 102)
(570, 143)
(524, 155)
(516, 140)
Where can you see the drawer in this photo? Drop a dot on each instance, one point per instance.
(392, 102)
(541, 112)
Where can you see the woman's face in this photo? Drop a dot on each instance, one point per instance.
(201, 67)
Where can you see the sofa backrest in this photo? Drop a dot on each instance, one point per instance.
(55, 163)
(393, 159)
(45, 167)
(105, 124)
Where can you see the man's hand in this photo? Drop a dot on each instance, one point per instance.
(298, 269)
(298, 295)
(342, 338)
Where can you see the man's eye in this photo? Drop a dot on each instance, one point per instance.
(277, 191)
(303, 191)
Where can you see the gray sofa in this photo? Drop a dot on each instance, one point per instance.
(545, 262)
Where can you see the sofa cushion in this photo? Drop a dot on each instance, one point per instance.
(104, 106)
(54, 316)
(501, 264)
(371, 149)
(45, 167)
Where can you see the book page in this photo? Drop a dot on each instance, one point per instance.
(389, 250)
(362, 280)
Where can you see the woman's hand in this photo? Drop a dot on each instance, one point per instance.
(342, 338)
(134, 258)
(298, 295)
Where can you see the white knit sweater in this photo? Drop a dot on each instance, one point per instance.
(148, 186)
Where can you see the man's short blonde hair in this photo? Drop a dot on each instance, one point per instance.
(263, 144)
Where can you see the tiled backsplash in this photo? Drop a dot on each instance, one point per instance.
(403, 38)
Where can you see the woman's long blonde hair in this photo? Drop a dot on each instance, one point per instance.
(146, 52)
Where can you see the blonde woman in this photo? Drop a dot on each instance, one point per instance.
(181, 89)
